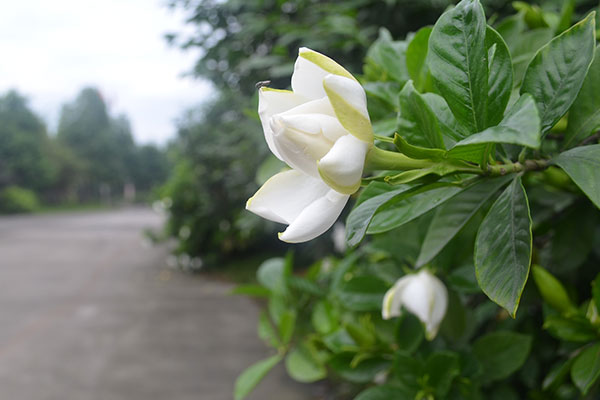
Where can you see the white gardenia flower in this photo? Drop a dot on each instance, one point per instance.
(321, 129)
(423, 295)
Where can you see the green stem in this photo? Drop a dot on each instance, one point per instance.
(510, 168)
(378, 159)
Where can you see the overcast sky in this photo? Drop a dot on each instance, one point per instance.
(50, 49)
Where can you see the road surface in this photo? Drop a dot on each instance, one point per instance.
(88, 311)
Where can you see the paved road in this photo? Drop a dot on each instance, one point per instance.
(88, 312)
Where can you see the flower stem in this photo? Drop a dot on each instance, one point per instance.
(378, 159)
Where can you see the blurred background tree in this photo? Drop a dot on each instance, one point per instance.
(91, 158)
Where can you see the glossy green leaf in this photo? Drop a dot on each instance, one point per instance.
(451, 216)
(253, 375)
(402, 209)
(586, 368)
(556, 73)
(302, 365)
(520, 126)
(582, 164)
(503, 248)
(552, 291)
(362, 293)
(372, 198)
(584, 115)
(416, 55)
(416, 121)
(500, 76)
(501, 353)
(457, 59)
(451, 129)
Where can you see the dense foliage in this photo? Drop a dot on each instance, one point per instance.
(504, 121)
(90, 159)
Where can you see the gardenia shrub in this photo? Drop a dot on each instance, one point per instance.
(472, 155)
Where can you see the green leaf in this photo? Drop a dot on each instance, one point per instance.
(501, 353)
(582, 164)
(552, 291)
(525, 48)
(416, 55)
(362, 293)
(339, 341)
(556, 73)
(386, 59)
(457, 59)
(323, 318)
(304, 285)
(503, 248)
(271, 274)
(442, 367)
(586, 368)
(302, 366)
(500, 76)
(248, 380)
(455, 321)
(370, 200)
(596, 292)
(251, 290)
(451, 216)
(266, 331)
(520, 126)
(286, 326)
(402, 209)
(386, 392)
(417, 152)
(409, 333)
(557, 375)
(570, 329)
(363, 372)
(416, 121)
(566, 15)
(451, 129)
(584, 115)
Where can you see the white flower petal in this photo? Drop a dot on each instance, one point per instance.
(307, 79)
(392, 302)
(315, 219)
(440, 305)
(342, 167)
(318, 106)
(417, 298)
(298, 149)
(285, 195)
(423, 295)
(271, 102)
(349, 102)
